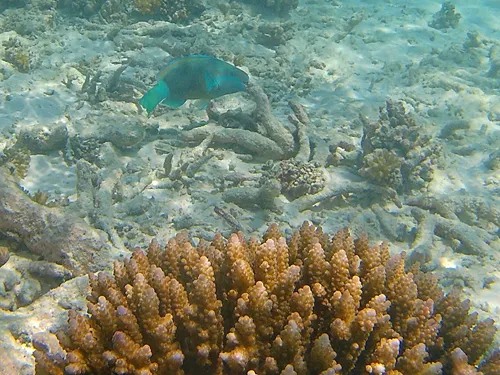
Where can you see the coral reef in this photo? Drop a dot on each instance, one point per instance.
(446, 17)
(86, 148)
(396, 152)
(273, 34)
(342, 152)
(314, 304)
(83, 7)
(17, 159)
(297, 178)
(493, 161)
(452, 128)
(18, 54)
(383, 167)
(169, 10)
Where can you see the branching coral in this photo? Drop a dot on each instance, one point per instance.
(313, 304)
(396, 151)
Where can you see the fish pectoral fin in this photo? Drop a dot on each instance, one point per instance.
(202, 104)
(173, 103)
(233, 83)
(211, 83)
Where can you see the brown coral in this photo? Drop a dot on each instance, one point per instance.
(297, 178)
(310, 305)
(170, 10)
(4, 255)
(396, 151)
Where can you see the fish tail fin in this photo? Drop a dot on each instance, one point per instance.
(154, 96)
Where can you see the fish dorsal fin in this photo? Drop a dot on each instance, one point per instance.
(172, 64)
(162, 73)
(210, 82)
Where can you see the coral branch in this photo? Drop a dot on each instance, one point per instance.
(315, 304)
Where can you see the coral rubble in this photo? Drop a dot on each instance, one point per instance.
(282, 7)
(48, 231)
(4, 255)
(314, 304)
(273, 140)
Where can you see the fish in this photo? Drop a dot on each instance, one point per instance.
(199, 77)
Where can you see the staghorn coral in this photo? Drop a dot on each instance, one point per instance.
(468, 222)
(263, 196)
(314, 304)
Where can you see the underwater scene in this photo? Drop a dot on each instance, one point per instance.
(249, 187)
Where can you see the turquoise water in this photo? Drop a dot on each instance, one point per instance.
(401, 138)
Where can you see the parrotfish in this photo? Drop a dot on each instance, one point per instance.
(194, 77)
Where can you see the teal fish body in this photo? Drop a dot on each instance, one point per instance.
(194, 77)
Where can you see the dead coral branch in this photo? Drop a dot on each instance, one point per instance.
(48, 231)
